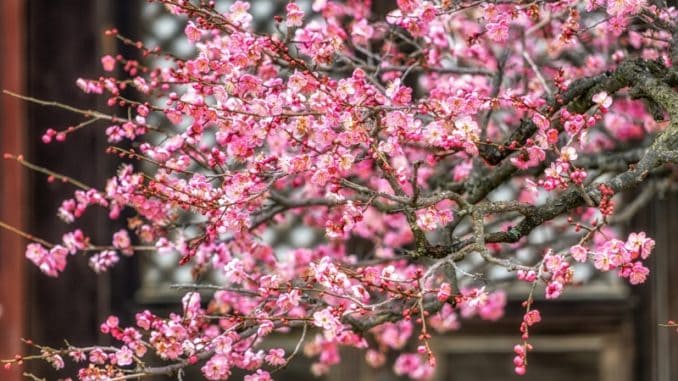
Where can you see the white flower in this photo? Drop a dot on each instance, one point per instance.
(568, 154)
(124, 356)
(602, 99)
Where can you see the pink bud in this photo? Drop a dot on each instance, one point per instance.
(108, 62)
(519, 349)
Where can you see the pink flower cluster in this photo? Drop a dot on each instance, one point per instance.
(50, 262)
(625, 257)
(413, 365)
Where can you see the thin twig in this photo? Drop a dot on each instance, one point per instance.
(67, 179)
(28, 236)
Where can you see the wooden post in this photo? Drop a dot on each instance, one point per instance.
(12, 184)
(657, 346)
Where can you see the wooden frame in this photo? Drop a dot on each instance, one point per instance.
(12, 183)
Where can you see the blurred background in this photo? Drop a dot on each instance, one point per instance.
(604, 331)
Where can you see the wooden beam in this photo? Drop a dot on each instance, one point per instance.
(12, 183)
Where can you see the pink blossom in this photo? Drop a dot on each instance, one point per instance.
(444, 292)
(498, 32)
(276, 357)
(616, 252)
(297, 82)
(97, 356)
(601, 261)
(552, 262)
(124, 356)
(579, 253)
(617, 24)
(191, 305)
(427, 220)
(532, 317)
(574, 124)
(361, 32)
(110, 324)
(541, 121)
(489, 306)
(77, 355)
(319, 5)
(639, 244)
(395, 335)
(108, 63)
(54, 359)
(287, 301)
(238, 13)
(144, 319)
(622, 7)
(265, 328)
(527, 276)
(553, 290)
(493, 309)
(89, 86)
(399, 94)
(475, 297)
(326, 320)
(50, 262)
(260, 375)
(408, 6)
(295, 15)
(638, 273)
(217, 368)
(462, 171)
(374, 358)
(103, 261)
(122, 242)
(592, 5)
(578, 176)
(412, 365)
(192, 32)
(445, 320)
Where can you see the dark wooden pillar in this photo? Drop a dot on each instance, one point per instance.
(12, 183)
(65, 43)
(657, 346)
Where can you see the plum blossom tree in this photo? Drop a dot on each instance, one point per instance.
(449, 135)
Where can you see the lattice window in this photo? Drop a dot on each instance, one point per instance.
(160, 28)
(160, 271)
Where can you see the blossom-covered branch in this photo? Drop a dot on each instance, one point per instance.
(441, 135)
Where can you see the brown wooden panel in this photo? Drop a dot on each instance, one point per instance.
(657, 299)
(66, 41)
(63, 44)
(12, 183)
